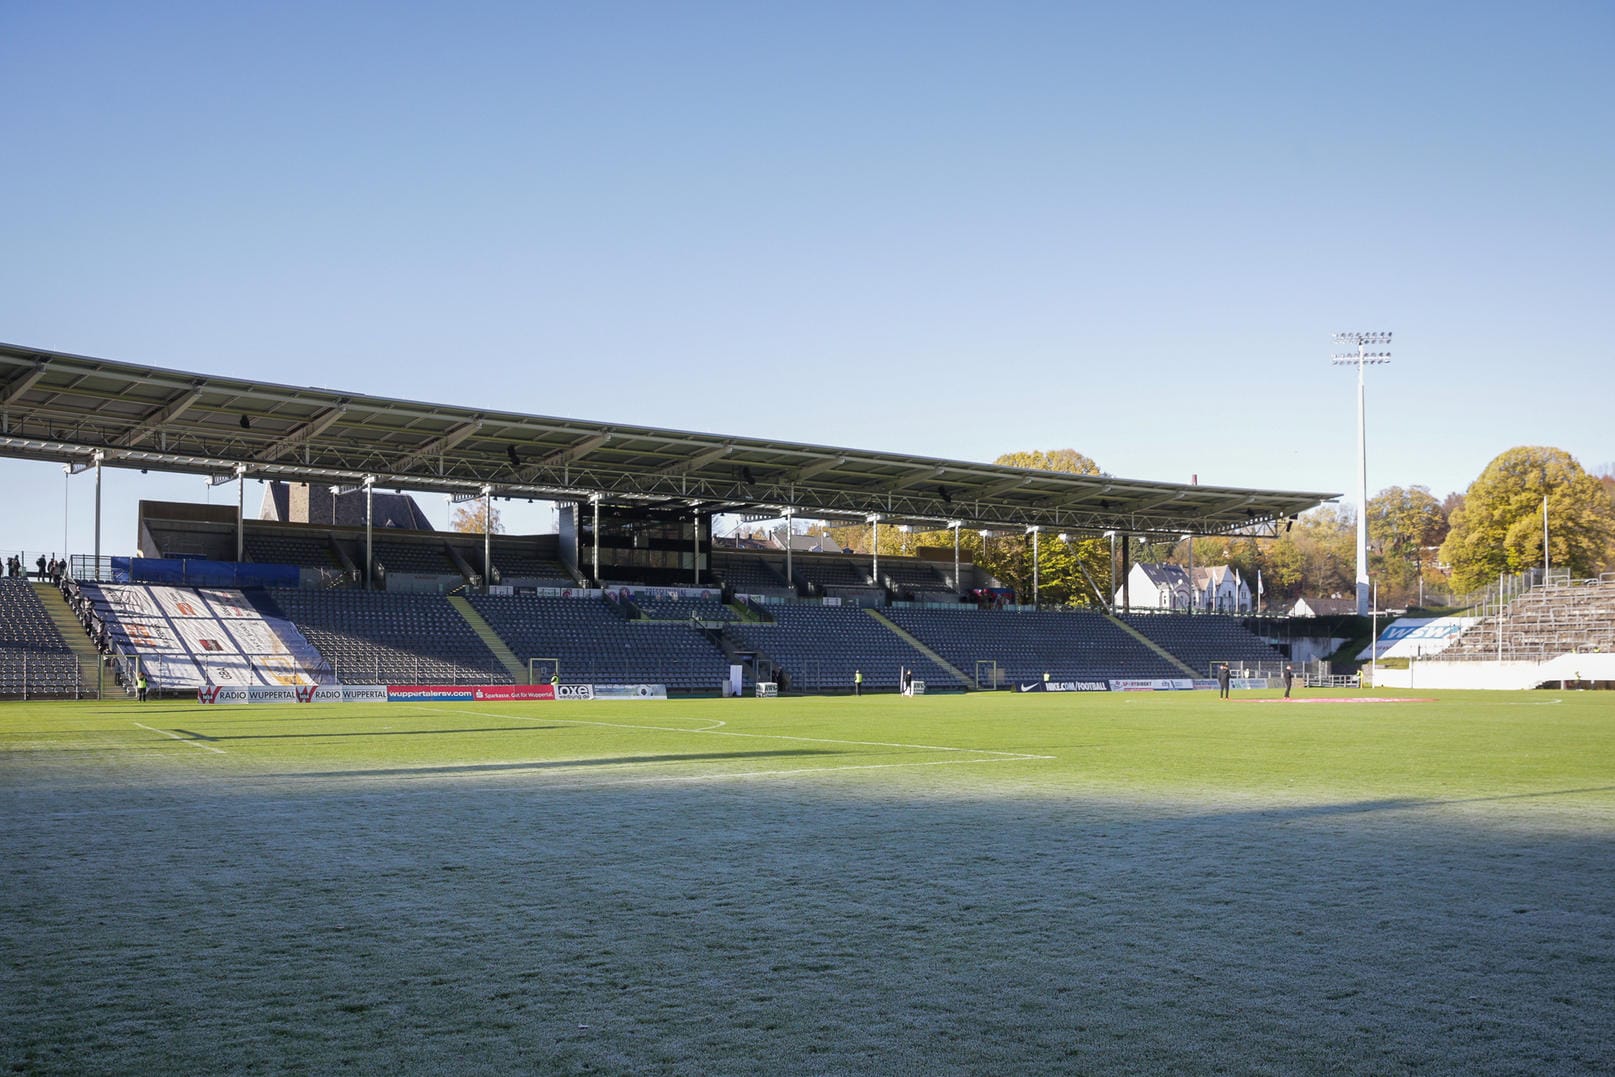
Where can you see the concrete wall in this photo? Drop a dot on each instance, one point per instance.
(1499, 675)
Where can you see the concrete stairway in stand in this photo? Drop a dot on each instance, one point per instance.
(78, 641)
(1156, 647)
(913, 641)
(485, 632)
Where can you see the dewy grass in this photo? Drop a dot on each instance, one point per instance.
(1136, 883)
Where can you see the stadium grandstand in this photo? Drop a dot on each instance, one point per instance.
(632, 588)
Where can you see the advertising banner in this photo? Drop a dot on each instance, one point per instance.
(1417, 637)
(574, 691)
(1066, 686)
(630, 691)
(482, 692)
(224, 693)
(1153, 684)
(342, 693)
(428, 693)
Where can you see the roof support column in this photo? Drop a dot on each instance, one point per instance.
(955, 525)
(790, 540)
(1127, 549)
(369, 549)
(596, 499)
(98, 458)
(241, 505)
(1035, 530)
(487, 538)
(874, 545)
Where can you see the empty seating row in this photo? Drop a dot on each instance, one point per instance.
(822, 647)
(671, 606)
(1022, 646)
(427, 559)
(751, 575)
(376, 637)
(306, 551)
(25, 627)
(588, 641)
(34, 658)
(1199, 642)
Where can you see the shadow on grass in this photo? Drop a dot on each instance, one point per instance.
(1363, 807)
(193, 735)
(558, 764)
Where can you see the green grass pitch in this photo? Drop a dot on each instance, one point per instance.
(986, 884)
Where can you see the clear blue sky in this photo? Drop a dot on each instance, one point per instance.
(948, 229)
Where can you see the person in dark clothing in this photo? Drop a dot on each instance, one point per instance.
(41, 564)
(1222, 681)
(1289, 679)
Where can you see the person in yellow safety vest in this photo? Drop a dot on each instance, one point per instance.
(857, 682)
(140, 686)
(1045, 680)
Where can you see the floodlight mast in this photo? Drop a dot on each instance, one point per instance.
(1361, 340)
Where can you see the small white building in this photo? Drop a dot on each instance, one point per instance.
(1215, 588)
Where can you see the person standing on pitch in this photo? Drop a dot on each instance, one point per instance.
(857, 682)
(140, 686)
(1222, 681)
(1289, 679)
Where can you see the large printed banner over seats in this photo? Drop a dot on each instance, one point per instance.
(194, 637)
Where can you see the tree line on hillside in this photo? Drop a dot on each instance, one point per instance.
(1419, 547)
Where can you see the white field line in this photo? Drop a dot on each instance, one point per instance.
(996, 756)
(182, 740)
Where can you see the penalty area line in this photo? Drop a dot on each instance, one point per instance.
(182, 740)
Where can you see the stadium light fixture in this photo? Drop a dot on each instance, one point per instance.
(1362, 341)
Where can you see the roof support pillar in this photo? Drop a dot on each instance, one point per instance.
(369, 548)
(241, 505)
(98, 458)
(596, 570)
(1035, 530)
(487, 537)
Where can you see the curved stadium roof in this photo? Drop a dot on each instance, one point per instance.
(67, 408)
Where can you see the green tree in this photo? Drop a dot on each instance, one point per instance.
(1499, 527)
(1007, 556)
(1403, 523)
(468, 517)
(1064, 568)
(1316, 557)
